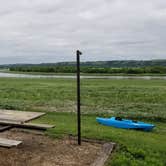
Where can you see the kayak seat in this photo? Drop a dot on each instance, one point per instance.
(118, 118)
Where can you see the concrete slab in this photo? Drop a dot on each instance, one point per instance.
(18, 116)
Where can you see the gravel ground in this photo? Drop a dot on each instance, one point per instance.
(40, 150)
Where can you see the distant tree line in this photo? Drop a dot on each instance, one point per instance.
(118, 64)
(99, 64)
(86, 69)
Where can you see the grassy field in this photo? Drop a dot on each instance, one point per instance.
(136, 99)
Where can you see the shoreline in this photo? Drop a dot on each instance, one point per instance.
(83, 74)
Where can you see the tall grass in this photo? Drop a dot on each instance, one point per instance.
(136, 99)
(127, 98)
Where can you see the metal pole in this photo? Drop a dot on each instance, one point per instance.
(78, 53)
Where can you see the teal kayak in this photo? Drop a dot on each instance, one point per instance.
(125, 123)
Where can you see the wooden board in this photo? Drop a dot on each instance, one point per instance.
(27, 125)
(3, 128)
(18, 116)
(8, 143)
(104, 154)
(38, 126)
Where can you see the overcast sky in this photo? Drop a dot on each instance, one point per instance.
(35, 31)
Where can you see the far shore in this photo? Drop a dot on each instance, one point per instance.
(73, 74)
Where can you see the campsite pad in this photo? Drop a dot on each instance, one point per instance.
(18, 116)
(40, 150)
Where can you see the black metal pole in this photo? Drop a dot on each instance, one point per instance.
(78, 53)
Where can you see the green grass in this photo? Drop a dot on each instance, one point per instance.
(136, 99)
(134, 147)
(143, 99)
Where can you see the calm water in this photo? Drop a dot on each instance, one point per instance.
(11, 75)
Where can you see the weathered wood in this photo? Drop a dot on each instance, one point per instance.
(37, 126)
(27, 125)
(71, 136)
(26, 130)
(19, 116)
(104, 154)
(8, 143)
(3, 128)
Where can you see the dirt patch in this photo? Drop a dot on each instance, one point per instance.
(40, 150)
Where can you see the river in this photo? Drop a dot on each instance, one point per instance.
(13, 75)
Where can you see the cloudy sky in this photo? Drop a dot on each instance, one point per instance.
(35, 31)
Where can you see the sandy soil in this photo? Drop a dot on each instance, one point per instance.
(40, 150)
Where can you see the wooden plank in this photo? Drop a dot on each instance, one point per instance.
(38, 126)
(8, 143)
(104, 154)
(27, 125)
(3, 128)
(107, 149)
(19, 116)
(26, 130)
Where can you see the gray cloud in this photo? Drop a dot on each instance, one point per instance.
(33, 31)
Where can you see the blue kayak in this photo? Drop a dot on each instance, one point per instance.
(125, 123)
